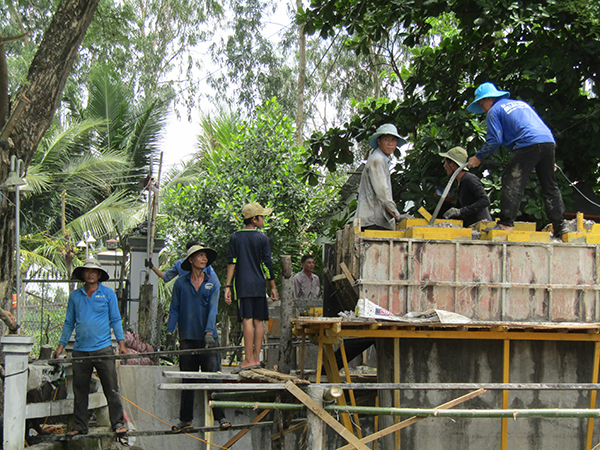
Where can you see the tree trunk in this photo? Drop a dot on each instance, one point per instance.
(46, 80)
(301, 81)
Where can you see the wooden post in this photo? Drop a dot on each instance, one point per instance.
(286, 350)
(317, 430)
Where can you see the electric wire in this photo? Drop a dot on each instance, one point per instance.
(574, 186)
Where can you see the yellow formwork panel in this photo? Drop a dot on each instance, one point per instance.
(524, 226)
(539, 236)
(438, 233)
(515, 236)
(519, 226)
(574, 236)
(408, 223)
(592, 238)
(384, 233)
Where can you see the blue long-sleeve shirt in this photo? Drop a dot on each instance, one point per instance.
(92, 318)
(514, 124)
(194, 311)
(176, 270)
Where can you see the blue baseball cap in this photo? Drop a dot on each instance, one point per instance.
(486, 90)
(384, 129)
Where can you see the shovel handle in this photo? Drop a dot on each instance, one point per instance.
(445, 193)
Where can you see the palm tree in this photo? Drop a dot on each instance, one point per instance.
(90, 169)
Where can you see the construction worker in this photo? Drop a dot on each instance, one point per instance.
(375, 207)
(472, 199)
(306, 284)
(514, 124)
(249, 254)
(92, 311)
(193, 309)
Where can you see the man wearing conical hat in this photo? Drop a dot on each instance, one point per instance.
(92, 311)
(473, 201)
(194, 311)
(375, 207)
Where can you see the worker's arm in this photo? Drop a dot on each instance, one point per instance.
(274, 293)
(150, 265)
(122, 349)
(58, 351)
(474, 161)
(380, 173)
(213, 305)
(228, 286)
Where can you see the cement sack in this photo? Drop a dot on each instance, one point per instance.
(435, 316)
(366, 309)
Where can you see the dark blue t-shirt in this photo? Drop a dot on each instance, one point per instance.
(250, 251)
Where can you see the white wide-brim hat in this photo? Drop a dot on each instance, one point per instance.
(384, 129)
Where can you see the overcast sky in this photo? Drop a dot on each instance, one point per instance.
(179, 141)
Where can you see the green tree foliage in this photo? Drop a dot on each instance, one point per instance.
(257, 164)
(93, 163)
(546, 53)
(152, 45)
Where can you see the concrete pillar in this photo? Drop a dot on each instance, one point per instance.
(16, 348)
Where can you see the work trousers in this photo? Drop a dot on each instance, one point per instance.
(82, 376)
(517, 172)
(208, 362)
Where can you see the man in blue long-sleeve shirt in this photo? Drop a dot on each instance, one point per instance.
(92, 311)
(194, 310)
(514, 124)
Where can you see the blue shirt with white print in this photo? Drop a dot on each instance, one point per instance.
(514, 124)
(92, 318)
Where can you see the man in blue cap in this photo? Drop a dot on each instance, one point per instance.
(375, 206)
(514, 124)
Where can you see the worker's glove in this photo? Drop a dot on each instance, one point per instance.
(209, 341)
(401, 217)
(452, 213)
(148, 264)
(170, 344)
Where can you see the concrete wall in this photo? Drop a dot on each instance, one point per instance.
(139, 384)
(454, 361)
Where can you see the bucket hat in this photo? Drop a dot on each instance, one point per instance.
(255, 209)
(458, 155)
(90, 263)
(210, 254)
(384, 129)
(484, 91)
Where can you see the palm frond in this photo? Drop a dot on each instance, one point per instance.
(116, 210)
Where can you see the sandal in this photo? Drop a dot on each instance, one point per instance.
(75, 432)
(239, 368)
(181, 426)
(120, 429)
(224, 424)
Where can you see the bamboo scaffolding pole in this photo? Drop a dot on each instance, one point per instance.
(384, 386)
(420, 412)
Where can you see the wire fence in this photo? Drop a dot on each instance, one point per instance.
(43, 307)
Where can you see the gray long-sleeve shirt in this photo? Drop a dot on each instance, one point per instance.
(375, 193)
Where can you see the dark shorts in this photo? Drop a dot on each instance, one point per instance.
(253, 308)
